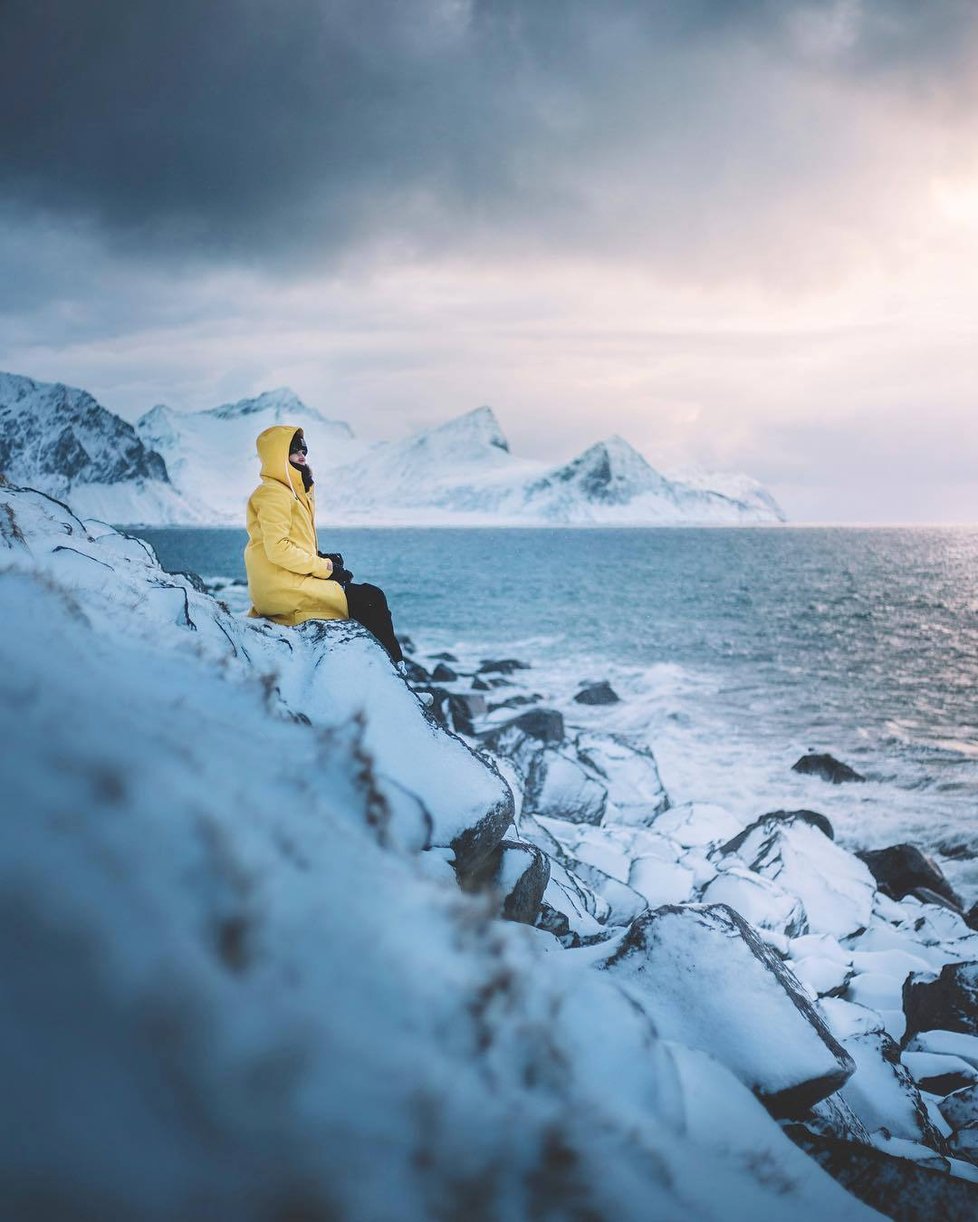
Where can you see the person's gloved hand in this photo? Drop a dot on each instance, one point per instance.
(339, 573)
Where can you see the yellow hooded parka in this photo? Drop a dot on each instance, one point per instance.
(288, 582)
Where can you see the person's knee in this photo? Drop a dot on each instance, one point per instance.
(374, 595)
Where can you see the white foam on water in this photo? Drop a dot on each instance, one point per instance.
(710, 750)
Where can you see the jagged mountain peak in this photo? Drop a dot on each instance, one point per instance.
(55, 437)
(477, 428)
(281, 402)
(611, 472)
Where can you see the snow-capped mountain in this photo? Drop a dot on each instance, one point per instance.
(200, 467)
(211, 454)
(463, 472)
(60, 440)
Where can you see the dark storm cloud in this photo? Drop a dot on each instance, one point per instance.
(274, 131)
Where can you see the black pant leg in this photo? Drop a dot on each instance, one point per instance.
(368, 606)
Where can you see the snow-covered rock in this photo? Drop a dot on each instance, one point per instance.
(835, 887)
(882, 1092)
(740, 1004)
(758, 900)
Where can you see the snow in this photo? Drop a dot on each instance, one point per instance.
(205, 868)
(952, 1043)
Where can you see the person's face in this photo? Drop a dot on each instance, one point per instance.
(298, 456)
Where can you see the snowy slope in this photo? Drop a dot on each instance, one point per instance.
(59, 439)
(211, 456)
(237, 984)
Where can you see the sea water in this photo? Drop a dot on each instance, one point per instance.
(735, 649)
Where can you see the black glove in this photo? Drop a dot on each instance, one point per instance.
(339, 573)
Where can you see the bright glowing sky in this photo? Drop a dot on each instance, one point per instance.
(741, 233)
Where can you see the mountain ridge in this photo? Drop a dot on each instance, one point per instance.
(199, 468)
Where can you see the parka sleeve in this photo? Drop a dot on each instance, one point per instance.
(275, 520)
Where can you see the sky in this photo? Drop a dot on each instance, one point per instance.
(742, 234)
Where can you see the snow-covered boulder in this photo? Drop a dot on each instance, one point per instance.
(835, 887)
(698, 824)
(629, 772)
(758, 900)
(882, 1092)
(706, 979)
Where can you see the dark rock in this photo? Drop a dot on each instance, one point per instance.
(443, 674)
(926, 896)
(960, 1109)
(598, 693)
(406, 644)
(901, 869)
(706, 979)
(513, 702)
(545, 725)
(945, 1083)
(499, 681)
(462, 708)
(518, 873)
(898, 1188)
(947, 1003)
(812, 817)
(414, 672)
(971, 917)
(444, 656)
(957, 851)
(827, 767)
(504, 666)
(480, 685)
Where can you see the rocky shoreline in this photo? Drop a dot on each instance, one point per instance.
(471, 961)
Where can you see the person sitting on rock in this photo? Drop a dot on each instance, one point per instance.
(289, 579)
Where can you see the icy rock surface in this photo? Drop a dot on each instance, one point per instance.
(741, 1004)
